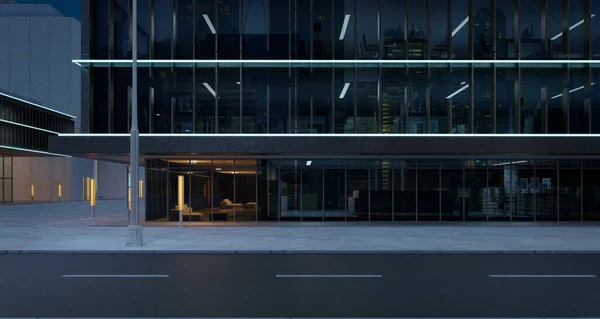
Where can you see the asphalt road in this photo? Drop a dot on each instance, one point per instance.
(299, 285)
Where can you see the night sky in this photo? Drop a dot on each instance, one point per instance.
(70, 8)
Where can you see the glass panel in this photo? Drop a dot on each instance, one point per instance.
(1, 166)
(336, 201)
(497, 196)
(525, 186)
(576, 110)
(476, 204)
(531, 20)
(392, 28)
(289, 192)
(532, 81)
(428, 200)
(311, 190)
(367, 91)
(505, 101)
(452, 191)
(162, 82)
(205, 24)
(279, 94)
(122, 45)
(358, 189)
(185, 29)
(205, 101)
(201, 189)
(483, 101)
(381, 190)
(8, 192)
(595, 95)
(570, 190)
(460, 39)
(367, 24)
(404, 192)
(546, 197)
(229, 29)
(505, 27)
(181, 91)
(264, 196)
(591, 192)
(576, 34)
(229, 100)
(163, 26)
(344, 100)
(255, 101)
(245, 190)
(225, 204)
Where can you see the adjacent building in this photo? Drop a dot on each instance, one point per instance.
(349, 110)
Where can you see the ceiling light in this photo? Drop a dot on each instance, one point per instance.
(308, 163)
(570, 28)
(209, 23)
(457, 91)
(344, 90)
(218, 169)
(460, 26)
(344, 26)
(570, 91)
(210, 89)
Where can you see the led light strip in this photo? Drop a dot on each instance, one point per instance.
(457, 91)
(344, 90)
(209, 23)
(333, 135)
(460, 26)
(570, 28)
(32, 151)
(570, 91)
(328, 62)
(27, 126)
(37, 105)
(344, 27)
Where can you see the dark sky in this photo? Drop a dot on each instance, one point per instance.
(70, 8)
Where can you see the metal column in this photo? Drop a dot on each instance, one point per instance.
(517, 102)
(471, 81)
(565, 74)
(194, 93)
(134, 230)
(494, 48)
(587, 55)
(428, 74)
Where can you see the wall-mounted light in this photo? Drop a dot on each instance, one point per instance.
(32, 191)
(92, 192)
(129, 198)
(140, 191)
(59, 192)
(180, 199)
(87, 188)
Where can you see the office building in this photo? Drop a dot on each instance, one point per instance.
(348, 110)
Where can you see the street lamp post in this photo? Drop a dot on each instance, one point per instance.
(134, 230)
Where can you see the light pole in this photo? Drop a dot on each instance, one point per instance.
(134, 230)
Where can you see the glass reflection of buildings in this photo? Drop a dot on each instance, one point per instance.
(305, 101)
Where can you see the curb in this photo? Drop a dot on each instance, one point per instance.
(341, 252)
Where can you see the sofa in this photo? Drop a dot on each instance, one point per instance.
(187, 213)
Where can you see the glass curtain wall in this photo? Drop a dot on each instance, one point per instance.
(6, 179)
(468, 98)
(388, 190)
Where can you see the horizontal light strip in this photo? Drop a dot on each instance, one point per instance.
(210, 25)
(344, 90)
(333, 135)
(509, 163)
(28, 126)
(570, 91)
(115, 276)
(344, 27)
(570, 28)
(460, 26)
(210, 89)
(309, 62)
(32, 151)
(542, 276)
(36, 105)
(457, 91)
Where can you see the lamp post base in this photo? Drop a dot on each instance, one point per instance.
(134, 236)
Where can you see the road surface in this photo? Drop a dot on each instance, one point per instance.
(299, 285)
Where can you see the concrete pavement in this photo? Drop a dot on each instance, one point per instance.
(69, 227)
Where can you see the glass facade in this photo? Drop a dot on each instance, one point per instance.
(6, 179)
(390, 69)
(354, 67)
(375, 190)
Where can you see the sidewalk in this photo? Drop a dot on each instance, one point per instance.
(68, 227)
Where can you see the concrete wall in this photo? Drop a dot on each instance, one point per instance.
(45, 174)
(112, 180)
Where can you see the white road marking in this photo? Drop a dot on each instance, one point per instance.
(115, 276)
(542, 276)
(329, 276)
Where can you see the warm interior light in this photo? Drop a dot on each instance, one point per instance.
(140, 192)
(129, 198)
(180, 192)
(93, 192)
